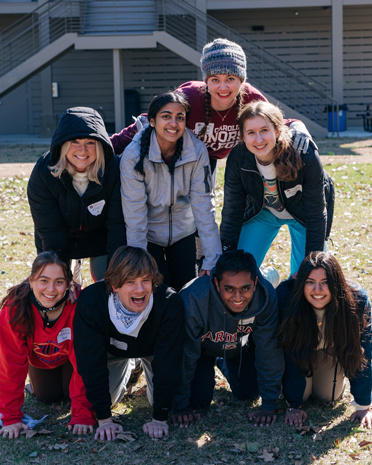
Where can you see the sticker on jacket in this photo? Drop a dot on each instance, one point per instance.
(293, 191)
(64, 335)
(118, 344)
(96, 208)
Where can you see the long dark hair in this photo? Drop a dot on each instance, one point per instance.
(18, 297)
(157, 103)
(209, 108)
(299, 332)
(286, 159)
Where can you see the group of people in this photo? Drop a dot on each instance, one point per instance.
(140, 206)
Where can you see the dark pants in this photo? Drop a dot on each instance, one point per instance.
(242, 380)
(51, 385)
(177, 263)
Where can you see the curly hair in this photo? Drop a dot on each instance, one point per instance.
(18, 297)
(299, 332)
(286, 159)
(157, 103)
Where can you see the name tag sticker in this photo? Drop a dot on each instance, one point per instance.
(293, 191)
(118, 344)
(96, 208)
(64, 335)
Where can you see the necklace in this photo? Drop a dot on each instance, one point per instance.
(263, 163)
(219, 114)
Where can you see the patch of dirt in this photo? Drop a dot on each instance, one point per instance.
(18, 160)
(345, 150)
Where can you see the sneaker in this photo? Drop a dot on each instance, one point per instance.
(271, 274)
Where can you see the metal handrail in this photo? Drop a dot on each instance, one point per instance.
(178, 18)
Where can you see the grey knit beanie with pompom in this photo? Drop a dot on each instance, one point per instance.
(223, 57)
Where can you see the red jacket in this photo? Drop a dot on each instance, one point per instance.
(48, 348)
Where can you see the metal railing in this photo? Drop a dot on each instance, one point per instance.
(265, 70)
(178, 18)
(36, 30)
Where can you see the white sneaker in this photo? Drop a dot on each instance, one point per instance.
(271, 274)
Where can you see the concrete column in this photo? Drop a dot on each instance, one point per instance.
(48, 120)
(119, 102)
(201, 29)
(337, 49)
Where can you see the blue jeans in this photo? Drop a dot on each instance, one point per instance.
(240, 372)
(258, 234)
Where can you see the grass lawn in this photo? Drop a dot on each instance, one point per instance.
(224, 434)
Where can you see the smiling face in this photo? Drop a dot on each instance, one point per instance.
(170, 124)
(135, 294)
(82, 153)
(316, 289)
(260, 138)
(50, 285)
(224, 90)
(236, 289)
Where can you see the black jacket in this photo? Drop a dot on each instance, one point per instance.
(61, 217)
(309, 198)
(161, 336)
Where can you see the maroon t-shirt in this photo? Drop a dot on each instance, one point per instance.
(223, 131)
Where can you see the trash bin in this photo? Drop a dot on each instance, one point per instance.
(342, 113)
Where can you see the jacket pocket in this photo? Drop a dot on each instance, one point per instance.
(252, 208)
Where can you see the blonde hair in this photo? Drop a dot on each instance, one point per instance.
(94, 170)
(286, 159)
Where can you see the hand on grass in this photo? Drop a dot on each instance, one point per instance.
(295, 416)
(107, 429)
(156, 429)
(365, 417)
(262, 417)
(80, 429)
(185, 420)
(12, 431)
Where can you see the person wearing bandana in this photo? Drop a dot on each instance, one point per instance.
(36, 339)
(128, 318)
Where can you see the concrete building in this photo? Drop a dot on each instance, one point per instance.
(114, 55)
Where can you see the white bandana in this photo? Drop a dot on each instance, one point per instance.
(125, 321)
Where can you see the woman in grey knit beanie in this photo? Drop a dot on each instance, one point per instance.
(216, 102)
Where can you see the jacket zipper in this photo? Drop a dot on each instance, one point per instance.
(170, 210)
(280, 194)
(263, 185)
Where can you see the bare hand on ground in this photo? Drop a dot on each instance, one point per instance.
(262, 417)
(156, 429)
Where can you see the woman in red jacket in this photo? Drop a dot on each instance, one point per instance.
(36, 339)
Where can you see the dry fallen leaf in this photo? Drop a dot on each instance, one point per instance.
(206, 437)
(267, 456)
(126, 436)
(364, 443)
(29, 433)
